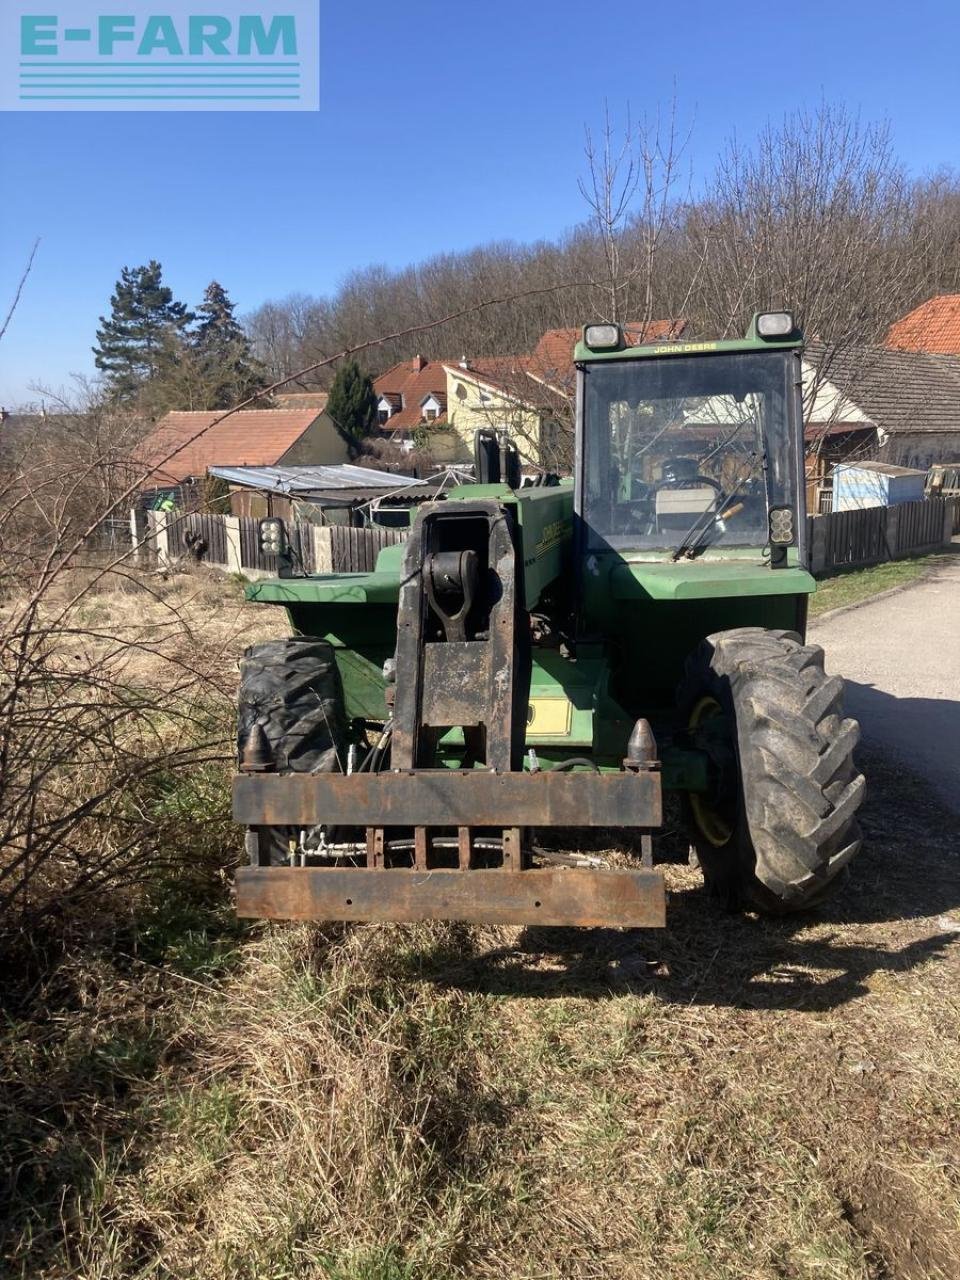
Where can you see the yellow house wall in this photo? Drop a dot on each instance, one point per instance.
(448, 446)
(466, 413)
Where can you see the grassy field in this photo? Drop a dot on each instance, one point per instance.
(853, 585)
(185, 1096)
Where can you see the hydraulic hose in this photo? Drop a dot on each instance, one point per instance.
(563, 765)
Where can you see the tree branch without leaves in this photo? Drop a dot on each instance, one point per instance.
(23, 280)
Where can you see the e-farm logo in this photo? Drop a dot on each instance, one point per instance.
(77, 56)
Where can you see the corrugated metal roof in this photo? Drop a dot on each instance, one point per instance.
(312, 479)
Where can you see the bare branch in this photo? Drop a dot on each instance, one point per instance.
(19, 290)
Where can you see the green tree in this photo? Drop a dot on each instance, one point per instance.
(353, 402)
(222, 352)
(145, 322)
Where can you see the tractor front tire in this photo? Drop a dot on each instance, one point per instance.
(780, 825)
(291, 689)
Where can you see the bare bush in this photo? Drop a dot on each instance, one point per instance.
(111, 686)
(113, 683)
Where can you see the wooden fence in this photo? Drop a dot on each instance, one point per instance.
(842, 539)
(848, 539)
(232, 543)
(204, 532)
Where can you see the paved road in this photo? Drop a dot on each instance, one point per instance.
(900, 657)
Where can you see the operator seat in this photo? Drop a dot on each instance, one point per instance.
(678, 508)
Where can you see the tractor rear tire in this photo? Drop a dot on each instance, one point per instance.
(782, 824)
(291, 688)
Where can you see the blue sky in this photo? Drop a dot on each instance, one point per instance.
(441, 126)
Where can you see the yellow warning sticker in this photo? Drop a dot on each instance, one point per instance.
(549, 717)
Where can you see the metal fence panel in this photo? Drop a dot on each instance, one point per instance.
(847, 539)
(920, 524)
(856, 537)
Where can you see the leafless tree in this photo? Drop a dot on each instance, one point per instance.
(813, 217)
(630, 191)
(933, 238)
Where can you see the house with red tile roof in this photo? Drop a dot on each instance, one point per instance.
(499, 393)
(933, 327)
(411, 394)
(530, 397)
(183, 446)
(551, 360)
(412, 399)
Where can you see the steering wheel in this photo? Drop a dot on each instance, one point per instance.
(689, 482)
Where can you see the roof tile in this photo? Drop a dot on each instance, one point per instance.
(933, 327)
(186, 444)
(900, 391)
(414, 380)
(552, 358)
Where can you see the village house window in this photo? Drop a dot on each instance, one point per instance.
(430, 407)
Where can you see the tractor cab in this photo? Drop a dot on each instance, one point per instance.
(688, 496)
(691, 449)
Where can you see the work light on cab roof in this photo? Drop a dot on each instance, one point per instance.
(770, 326)
(775, 324)
(603, 337)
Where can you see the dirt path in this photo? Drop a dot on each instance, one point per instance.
(900, 657)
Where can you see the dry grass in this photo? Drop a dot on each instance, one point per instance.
(115, 687)
(189, 1097)
(158, 619)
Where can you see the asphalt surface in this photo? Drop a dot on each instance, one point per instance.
(900, 658)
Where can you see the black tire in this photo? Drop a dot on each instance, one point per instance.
(291, 688)
(781, 824)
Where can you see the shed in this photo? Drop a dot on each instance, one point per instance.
(875, 484)
(183, 448)
(323, 495)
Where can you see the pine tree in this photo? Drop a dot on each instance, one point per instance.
(352, 403)
(144, 319)
(222, 351)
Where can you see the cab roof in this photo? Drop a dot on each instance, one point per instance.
(718, 346)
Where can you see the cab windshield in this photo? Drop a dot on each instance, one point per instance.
(685, 446)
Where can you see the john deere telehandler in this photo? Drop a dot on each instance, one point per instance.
(560, 656)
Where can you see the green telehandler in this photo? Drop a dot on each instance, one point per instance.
(561, 655)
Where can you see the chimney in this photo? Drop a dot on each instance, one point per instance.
(418, 363)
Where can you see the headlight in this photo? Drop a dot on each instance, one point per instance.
(273, 536)
(775, 324)
(600, 337)
(781, 526)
